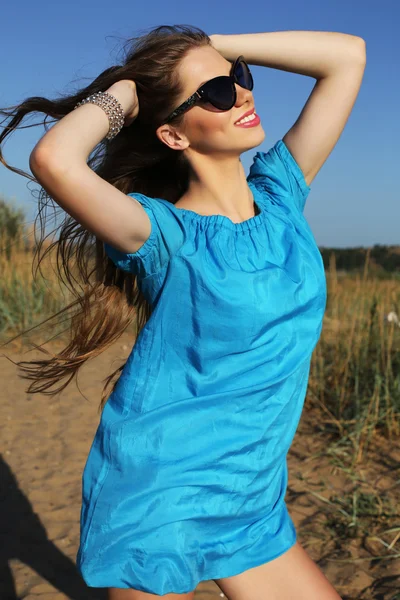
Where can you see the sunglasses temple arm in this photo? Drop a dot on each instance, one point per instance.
(186, 105)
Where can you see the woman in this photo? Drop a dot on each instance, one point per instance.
(186, 477)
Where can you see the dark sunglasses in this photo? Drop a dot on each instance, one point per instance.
(220, 91)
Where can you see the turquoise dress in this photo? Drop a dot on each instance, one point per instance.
(187, 473)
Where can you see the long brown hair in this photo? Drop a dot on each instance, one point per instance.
(107, 298)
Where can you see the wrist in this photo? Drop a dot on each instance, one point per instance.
(214, 40)
(124, 92)
(219, 42)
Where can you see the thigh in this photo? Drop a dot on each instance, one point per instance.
(132, 594)
(292, 575)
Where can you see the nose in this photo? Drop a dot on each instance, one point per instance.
(242, 95)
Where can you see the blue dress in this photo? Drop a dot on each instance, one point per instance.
(186, 477)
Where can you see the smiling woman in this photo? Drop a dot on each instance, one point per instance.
(208, 136)
(186, 477)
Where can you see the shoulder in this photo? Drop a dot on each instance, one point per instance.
(167, 235)
(277, 173)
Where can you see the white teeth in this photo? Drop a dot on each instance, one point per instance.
(246, 119)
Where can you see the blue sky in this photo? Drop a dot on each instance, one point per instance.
(47, 48)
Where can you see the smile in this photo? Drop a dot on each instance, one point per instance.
(249, 121)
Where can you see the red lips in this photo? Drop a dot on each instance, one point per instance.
(246, 114)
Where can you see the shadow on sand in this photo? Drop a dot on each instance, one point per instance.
(23, 537)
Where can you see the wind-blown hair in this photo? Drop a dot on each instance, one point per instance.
(107, 298)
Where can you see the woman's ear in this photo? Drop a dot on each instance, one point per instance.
(172, 138)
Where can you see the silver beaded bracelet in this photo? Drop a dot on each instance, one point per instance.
(112, 108)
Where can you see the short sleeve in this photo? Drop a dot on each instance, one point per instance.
(166, 237)
(280, 175)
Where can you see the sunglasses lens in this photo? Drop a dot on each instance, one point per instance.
(220, 93)
(243, 76)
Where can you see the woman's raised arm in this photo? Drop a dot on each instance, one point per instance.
(59, 163)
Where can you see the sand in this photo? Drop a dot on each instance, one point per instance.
(44, 445)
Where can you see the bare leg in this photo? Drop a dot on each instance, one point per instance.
(132, 594)
(292, 575)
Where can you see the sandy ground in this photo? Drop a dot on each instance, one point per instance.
(44, 445)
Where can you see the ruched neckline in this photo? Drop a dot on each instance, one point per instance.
(222, 220)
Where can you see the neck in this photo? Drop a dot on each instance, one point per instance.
(218, 187)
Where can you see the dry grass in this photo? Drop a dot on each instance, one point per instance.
(355, 371)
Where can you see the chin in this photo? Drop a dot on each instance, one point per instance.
(256, 142)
